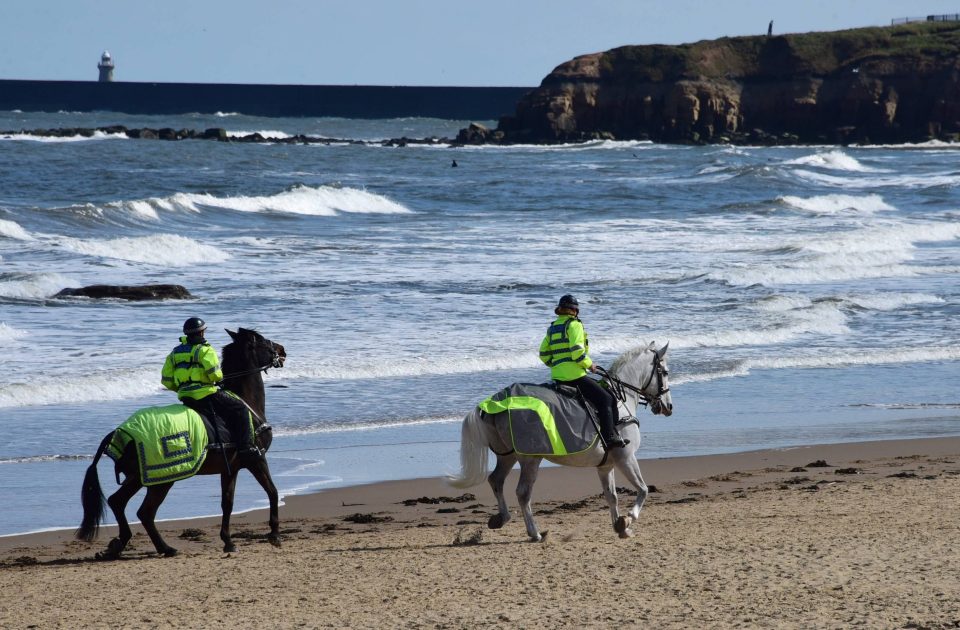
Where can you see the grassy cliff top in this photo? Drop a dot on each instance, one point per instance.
(816, 53)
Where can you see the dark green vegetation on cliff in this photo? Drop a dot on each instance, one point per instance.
(869, 85)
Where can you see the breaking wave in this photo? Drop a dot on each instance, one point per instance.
(33, 286)
(11, 229)
(97, 135)
(837, 204)
(304, 200)
(834, 160)
(169, 250)
(8, 333)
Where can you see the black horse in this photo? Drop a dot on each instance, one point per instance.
(244, 360)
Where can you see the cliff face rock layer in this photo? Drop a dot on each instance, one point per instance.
(871, 85)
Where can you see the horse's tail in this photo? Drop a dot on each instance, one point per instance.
(91, 496)
(474, 457)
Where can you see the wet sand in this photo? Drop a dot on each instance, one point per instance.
(814, 537)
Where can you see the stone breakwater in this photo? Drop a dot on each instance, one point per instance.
(865, 86)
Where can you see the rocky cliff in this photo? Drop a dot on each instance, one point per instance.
(871, 85)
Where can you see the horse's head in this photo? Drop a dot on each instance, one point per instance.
(659, 388)
(256, 349)
(643, 371)
(244, 361)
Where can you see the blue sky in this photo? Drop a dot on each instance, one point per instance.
(384, 42)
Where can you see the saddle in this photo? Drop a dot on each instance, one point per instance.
(572, 392)
(219, 433)
(562, 388)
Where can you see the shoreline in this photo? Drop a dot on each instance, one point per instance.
(554, 483)
(804, 537)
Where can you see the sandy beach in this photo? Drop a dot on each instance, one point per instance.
(815, 537)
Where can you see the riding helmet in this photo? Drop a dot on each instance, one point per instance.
(194, 326)
(568, 301)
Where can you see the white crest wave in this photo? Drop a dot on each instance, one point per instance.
(169, 250)
(9, 333)
(99, 385)
(80, 388)
(305, 200)
(838, 204)
(876, 252)
(869, 182)
(97, 135)
(891, 301)
(12, 229)
(35, 285)
(266, 133)
(835, 160)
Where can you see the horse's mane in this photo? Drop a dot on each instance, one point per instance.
(629, 356)
(233, 351)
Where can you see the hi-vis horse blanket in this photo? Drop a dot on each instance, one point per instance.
(542, 420)
(170, 442)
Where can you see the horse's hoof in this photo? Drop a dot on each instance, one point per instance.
(538, 537)
(229, 548)
(627, 533)
(274, 540)
(496, 522)
(169, 552)
(114, 548)
(622, 525)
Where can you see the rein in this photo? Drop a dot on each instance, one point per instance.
(274, 363)
(618, 386)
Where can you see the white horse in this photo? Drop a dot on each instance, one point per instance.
(642, 373)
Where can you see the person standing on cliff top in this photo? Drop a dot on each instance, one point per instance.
(770, 29)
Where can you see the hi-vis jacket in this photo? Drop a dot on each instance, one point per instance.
(192, 370)
(565, 348)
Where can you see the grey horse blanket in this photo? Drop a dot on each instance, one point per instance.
(542, 419)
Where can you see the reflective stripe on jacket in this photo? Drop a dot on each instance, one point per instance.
(565, 349)
(192, 370)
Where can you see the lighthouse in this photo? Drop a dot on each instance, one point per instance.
(106, 67)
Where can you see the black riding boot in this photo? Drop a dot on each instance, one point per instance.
(606, 407)
(237, 414)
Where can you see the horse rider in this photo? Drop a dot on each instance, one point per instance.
(565, 349)
(192, 370)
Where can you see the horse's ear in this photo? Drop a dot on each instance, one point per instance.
(232, 334)
(663, 351)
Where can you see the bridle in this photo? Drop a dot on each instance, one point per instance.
(617, 387)
(275, 362)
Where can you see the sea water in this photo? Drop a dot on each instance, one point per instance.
(808, 294)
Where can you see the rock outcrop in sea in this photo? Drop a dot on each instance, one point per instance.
(132, 292)
(871, 85)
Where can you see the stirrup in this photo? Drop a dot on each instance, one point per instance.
(615, 442)
(249, 453)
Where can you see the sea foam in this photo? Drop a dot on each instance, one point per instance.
(33, 286)
(266, 133)
(11, 229)
(304, 200)
(168, 250)
(8, 333)
(97, 135)
(837, 204)
(95, 386)
(834, 160)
